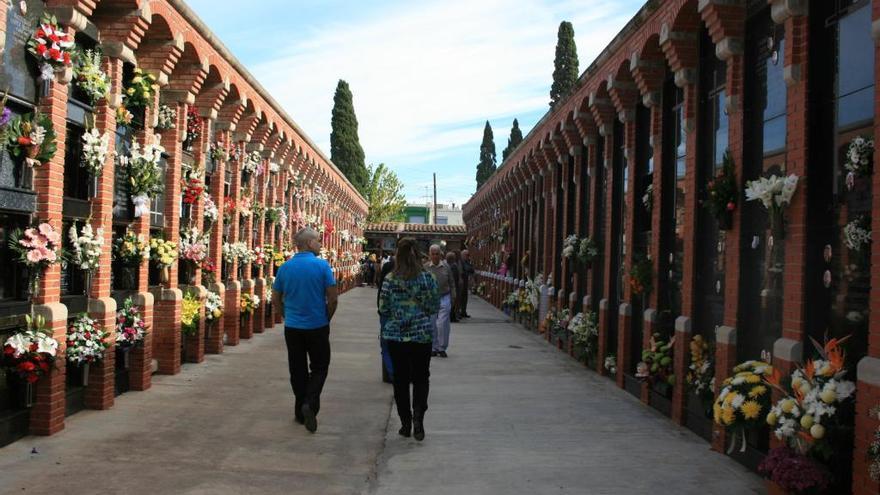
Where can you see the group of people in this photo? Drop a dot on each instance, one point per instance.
(417, 299)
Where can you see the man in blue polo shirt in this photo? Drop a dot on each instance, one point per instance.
(305, 291)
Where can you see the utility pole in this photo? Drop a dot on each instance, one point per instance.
(434, 220)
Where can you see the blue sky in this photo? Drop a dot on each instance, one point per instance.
(425, 75)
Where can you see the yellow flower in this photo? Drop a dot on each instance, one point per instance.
(728, 415)
(753, 379)
(716, 412)
(757, 390)
(129, 91)
(750, 409)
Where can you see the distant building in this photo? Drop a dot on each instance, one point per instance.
(382, 237)
(424, 214)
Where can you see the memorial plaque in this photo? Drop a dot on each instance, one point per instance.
(19, 67)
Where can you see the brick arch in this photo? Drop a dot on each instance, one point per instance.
(602, 108)
(160, 49)
(623, 91)
(122, 25)
(679, 38)
(188, 75)
(214, 92)
(648, 67)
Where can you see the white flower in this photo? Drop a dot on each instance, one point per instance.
(47, 345)
(211, 210)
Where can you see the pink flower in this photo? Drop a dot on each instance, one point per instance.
(46, 229)
(34, 256)
(38, 242)
(48, 254)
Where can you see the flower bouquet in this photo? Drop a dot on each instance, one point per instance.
(131, 249)
(775, 194)
(30, 352)
(228, 209)
(743, 400)
(569, 246)
(38, 248)
(124, 118)
(249, 302)
(130, 327)
(51, 45)
(701, 372)
(166, 118)
(87, 247)
(806, 415)
(857, 233)
(656, 364)
(641, 276)
(211, 212)
(193, 246)
(722, 193)
(94, 152)
(141, 90)
(587, 251)
(192, 188)
(209, 271)
(648, 198)
(189, 314)
(163, 253)
(86, 341)
(859, 159)
(144, 174)
(278, 258)
(610, 364)
(218, 153)
(584, 329)
(193, 127)
(213, 307)
(89, 77)
(260, 257)
(32, 136)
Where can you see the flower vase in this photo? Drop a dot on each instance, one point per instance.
(777, 224)
(27, 177)
(85, 374)
(165, 274)
(122, 357)
(725, 220)
(21, 391)
(93, 186)
(128, 276)
(87, 282)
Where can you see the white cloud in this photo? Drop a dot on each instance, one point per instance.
(426, 76)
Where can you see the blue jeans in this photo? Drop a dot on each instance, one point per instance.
(383, 345)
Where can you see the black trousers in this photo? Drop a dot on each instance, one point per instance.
(412, 362)
(308, 355)
(462, 303)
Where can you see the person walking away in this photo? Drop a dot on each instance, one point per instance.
(467, 271)
(407, 300)
(305, 291)
(387, 364)
(446, 288)
(454, 270)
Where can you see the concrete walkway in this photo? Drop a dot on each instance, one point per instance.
(508, 414)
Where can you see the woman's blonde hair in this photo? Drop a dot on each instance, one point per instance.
(407, 260)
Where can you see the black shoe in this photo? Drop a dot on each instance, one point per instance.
(434, 353)
(465, 315)
(310, 420)
(418, 429)
(442, 354)
(406, 429)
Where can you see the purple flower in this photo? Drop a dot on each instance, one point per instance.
(5, 117)
(794, 472)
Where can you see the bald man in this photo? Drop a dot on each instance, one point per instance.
(305, 291)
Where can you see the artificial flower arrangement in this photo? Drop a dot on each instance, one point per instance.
(245, 203)
(163, 253)
(213, 307)
(722, 193)
(610, 364)
(30, 352)
(648, 198)
(874, 447)
(252, 164)
(273, 214)
(191, 306)
(166, 117)
(193, 246)
(211, 212)
(656, 364)
(124, 118)
(193, 127)
(257, 210)
(38, 248)
(701, 372)
(857, 233)
(531, 295)
(96, 146)
(587, 251)
(641, 276)
(805, 418)
(481, 289)
(89, 77)
(237, 251)
(743, 400)
(52, 46)
(130, 327)
(584, 328)
(569, 246)
(144, 174)
(260, 257)
(32, 136)
(859, 159)
(511, 302)
(278, 258)
(229, 208)
(556, 322)
(775, 194)
(192, 187)
(268, 295)
(249, 302)
(87, 245)
(209, 271)
(218, 153)
(274, 168)
(131, 248)
(141, 90)
(86, 341)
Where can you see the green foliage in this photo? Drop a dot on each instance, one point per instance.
(345, 147)
(565, 66)
(722, 190)
(486, 167)
(513, 141)
(384, 194)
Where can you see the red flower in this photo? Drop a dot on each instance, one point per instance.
(54, 53)
(40, 33)
(24, 141)
(32, 378)
(44, 367)
(54, 38)
(33, 347)
(26, 366)
(731, 206)
(41, 49)
(8, 350)
(66, 58)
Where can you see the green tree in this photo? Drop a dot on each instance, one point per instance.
(486, 167)
(384, 194)
(345, 147)
(565, 66)
(513, 141)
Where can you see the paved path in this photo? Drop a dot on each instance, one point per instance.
(508, 415)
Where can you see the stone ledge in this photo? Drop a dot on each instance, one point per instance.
(869, 370)
(651, 315)
(788, 350)
(102, 305)
(54, 311)
(725, 335)
(625, 309)
(683, 324)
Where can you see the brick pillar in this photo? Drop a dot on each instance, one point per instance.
(215, 332)
(725, 360)
(647, 330)
(624, 360)
(680, 363)
(602, 347)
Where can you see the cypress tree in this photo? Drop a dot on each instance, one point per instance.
(565, 66)
(345, 147)
(513, 141)
(486, 167)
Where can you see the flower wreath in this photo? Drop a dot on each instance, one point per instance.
(51, 45)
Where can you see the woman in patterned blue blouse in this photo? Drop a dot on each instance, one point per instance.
(407, 300)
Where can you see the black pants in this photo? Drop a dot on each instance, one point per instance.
(462, 303)
(307, 349)
(412, 362)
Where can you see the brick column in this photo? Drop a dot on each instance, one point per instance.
(214, 340)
